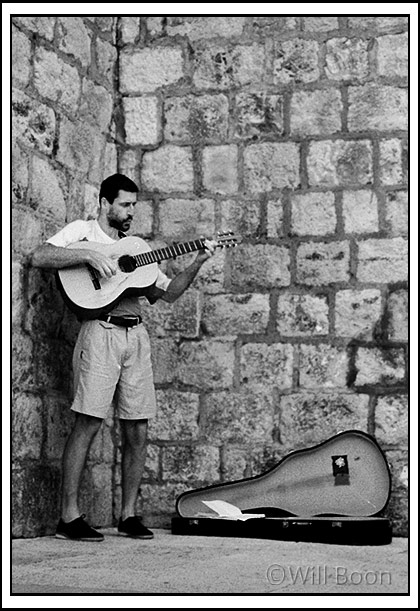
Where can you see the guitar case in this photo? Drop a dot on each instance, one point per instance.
(334, 492)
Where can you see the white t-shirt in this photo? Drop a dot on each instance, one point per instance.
(77, 231)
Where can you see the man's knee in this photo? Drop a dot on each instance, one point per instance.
(134, 432)
(87, 424)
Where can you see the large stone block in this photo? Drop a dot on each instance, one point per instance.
(80, 147)
(313, 214)
(321, 263)
(186, 219)
(360, 211)
(315, 112)
(197, 464)
(44, 26)
(60, 420)
(308, 419)
(378, 23)
(270, 166)
(53, 365)
(225, 315)
(377, 107)
(96, 105)
(106, 58)
(320, 24)
(27, 426)
(302, 315)
(347, 59)
(157, 502)
(22, 362)
(129, 29)
(196, 28)
(391, 420)
(218, 66)
(177, 416)
(220, 169)
(397, 310)
(390, 161)
(33, 124)
(26, 231)
(206, 365)
(243, 217)
(238, 417)
(20, 174)
(267, 364)
(382, 260)
(21, 53)
(142, 121)
(392, 55)
(181, 318)
(396, 213)
(96, 494)
(380, 366)
(74, 38)
(340, 162)
(196, 118)
(35, 499)
(164, 360)
(295, 61)
(146, 70)
(258, 115)
(17, 296)
(263, 266)
(322, 366)
(275, 219)
(48, 191)
(56, 80)
(357, 313)
(168, 169)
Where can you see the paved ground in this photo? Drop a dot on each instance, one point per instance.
(171, 564)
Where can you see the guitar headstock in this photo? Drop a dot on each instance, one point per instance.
(227, 239)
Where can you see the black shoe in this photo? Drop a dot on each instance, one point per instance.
(133, 527)
(78, 530)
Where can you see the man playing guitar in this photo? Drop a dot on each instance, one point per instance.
(112, 353)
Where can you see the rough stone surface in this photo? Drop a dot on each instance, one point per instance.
(360, 212)
(313, 214)
(382, 260)
(289, 131)
(225, 315)
(271, 166)
(340, 162)
(302, 315)
(147, 70)
(321, 263)
(357, 313)
(168, 169)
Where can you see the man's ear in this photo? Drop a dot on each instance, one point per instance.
(103, 202)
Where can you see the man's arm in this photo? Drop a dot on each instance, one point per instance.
(56, 257)
(182, 281)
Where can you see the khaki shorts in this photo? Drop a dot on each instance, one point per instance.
(111, 360)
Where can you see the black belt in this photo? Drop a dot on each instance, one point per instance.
(121, 321)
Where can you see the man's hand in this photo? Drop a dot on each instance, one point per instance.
(208, 250)
(106, 266)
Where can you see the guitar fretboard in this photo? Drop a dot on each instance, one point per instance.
(169, 252)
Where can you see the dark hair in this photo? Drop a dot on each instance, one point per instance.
(113, 184)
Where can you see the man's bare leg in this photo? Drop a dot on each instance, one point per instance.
(74, 458)
(134, 440)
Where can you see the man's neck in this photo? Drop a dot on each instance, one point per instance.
(112, 232)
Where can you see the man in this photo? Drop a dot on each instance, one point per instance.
(111, 353)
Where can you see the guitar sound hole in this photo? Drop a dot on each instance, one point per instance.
(127, 264)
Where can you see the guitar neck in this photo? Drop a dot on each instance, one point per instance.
(169, 252)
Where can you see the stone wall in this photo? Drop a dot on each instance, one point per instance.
(291, 132)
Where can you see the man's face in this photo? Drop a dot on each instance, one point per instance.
(121, 211)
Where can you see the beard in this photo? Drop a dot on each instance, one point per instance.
(120, 225)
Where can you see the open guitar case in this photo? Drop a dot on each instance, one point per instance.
(334, 492)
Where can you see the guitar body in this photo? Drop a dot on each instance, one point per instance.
(346, 475)
(89, 296)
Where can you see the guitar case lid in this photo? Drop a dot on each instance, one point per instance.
(346, 475)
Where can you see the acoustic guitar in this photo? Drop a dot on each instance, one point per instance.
(89, 295)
